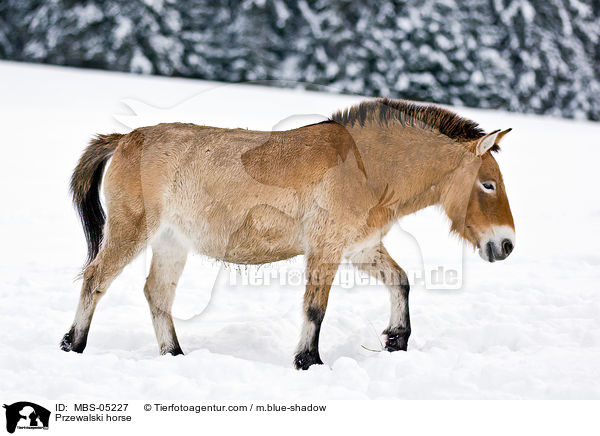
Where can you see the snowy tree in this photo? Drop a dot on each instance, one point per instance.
(540, 56)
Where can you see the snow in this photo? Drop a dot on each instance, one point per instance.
(528, 327)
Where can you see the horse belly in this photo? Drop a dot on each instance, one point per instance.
(266, 234)
(263, 234)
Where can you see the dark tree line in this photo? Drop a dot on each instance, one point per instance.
(540, 56)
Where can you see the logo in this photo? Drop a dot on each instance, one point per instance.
(26, 415)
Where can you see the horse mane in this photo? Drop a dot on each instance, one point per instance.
(413, 114)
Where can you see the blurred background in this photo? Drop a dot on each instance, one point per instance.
(534, 56)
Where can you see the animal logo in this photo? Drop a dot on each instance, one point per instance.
(26, 415)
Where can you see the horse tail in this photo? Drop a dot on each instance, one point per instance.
(85, 187)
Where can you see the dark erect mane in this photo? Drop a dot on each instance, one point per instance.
(409, 113)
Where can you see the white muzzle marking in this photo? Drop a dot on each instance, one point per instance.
(496, 243)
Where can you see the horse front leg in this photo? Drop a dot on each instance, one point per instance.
(320, 272)
(377, 262)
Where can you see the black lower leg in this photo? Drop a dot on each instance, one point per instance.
(399, 330)
(74, 341)
(308, 352)
(397, 338)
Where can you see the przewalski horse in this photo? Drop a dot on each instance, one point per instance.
(329, 191)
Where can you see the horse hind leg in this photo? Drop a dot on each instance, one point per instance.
(124, 239)
(168, 260)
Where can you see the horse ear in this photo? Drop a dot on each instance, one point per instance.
(485, 143)
(501, 135)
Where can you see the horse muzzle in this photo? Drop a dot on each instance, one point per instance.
(498, 244)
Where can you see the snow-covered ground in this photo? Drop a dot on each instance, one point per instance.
(528, 327)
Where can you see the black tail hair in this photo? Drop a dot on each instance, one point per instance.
(85, 187)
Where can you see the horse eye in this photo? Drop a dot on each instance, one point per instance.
(489, 186)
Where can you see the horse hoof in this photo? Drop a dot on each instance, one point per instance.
(305, 359)
(396, 345)
(397, 340)
(174, 351)
(66, 344)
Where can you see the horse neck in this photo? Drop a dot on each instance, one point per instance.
(421, 166)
